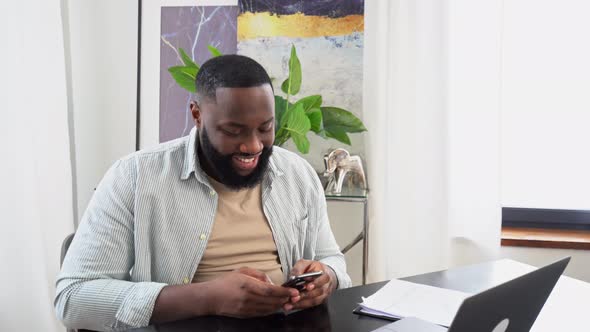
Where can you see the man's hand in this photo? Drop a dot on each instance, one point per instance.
(316, 291)
(247, 292)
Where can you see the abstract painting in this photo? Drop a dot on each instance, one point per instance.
(328, 36)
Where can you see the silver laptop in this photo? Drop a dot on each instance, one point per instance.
(509, 307)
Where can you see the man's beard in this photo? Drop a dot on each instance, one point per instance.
(223, 171)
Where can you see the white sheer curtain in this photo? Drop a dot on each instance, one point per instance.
(35, 172)
(432, 151)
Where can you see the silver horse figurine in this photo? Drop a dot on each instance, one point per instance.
(339, 163)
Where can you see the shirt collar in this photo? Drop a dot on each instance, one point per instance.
(191, 161)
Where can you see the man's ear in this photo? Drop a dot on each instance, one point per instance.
(196, 112)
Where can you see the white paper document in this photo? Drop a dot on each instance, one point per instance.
(399, 298)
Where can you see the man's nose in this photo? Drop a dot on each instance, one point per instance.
(252, 145)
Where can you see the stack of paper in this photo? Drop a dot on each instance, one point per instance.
(399, 299)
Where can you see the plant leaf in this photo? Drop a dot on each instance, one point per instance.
(296, 121)
(315, 120)
(214, 51)
(188, 62)
(310, 102)
(280, 108)
(296, 124)
(339, 136)
(302, 143)
(292, 84)
(285, 86)
(339, 120)
(184, 76)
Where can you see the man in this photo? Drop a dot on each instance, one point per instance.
(208, 224)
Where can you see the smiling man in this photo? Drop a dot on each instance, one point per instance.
(208, 224)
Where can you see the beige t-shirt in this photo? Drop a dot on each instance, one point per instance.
(241, 237)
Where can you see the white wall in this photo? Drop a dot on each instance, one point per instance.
(103, 52)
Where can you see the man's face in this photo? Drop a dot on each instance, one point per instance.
(236, 134)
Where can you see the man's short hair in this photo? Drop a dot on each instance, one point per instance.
(229, 71)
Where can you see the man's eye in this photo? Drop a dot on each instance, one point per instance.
(266, 129)
(230, 133)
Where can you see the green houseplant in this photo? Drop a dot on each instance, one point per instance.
(294, 118)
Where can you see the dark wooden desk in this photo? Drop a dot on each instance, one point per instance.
(336, 314)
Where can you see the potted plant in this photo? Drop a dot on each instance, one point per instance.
(294, 118)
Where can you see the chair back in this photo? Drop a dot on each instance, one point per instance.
(65, 245)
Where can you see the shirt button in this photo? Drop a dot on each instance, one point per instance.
(203, 236)
(212, 193)
(185, 280)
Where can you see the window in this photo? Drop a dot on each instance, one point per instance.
(545, 115)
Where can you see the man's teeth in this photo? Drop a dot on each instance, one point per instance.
(246, 160)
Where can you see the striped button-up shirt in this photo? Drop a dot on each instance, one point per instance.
(148, 223)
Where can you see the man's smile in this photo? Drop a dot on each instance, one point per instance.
(245, 165)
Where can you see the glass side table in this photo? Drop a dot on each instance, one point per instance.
(356, 196)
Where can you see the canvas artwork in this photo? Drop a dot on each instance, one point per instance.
(328, 36)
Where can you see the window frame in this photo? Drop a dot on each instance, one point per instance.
(545, 218)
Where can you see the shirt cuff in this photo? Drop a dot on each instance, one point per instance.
(137, 307)
(335, 263)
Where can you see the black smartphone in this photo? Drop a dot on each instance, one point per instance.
(299, 282)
